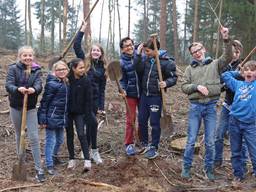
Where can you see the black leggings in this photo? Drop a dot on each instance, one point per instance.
(91, 131)
(80, 126)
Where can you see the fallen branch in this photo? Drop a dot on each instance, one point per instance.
(20, 187)
(201, 188)
(163, 174)
(99, 184)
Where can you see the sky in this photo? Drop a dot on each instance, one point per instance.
(95, 17)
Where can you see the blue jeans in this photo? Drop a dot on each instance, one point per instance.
(150, 107)
(223, 128)
(53, 140)
(238, 132)
(197, 113)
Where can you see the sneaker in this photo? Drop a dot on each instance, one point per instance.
(185, 173)
(130, 150)
(50, 170)
(87, 165)
(57, 161)
(209, 174)
(151, 153)
(71, 164)
(96, 156)
(40, 176)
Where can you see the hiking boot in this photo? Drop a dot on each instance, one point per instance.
(50, 170)
(40, 176)
(87, 165)
(209, 174)
(185, 173)
(57, 161)
(151, 153)
(96, 156)
(130, 150)
(71, 164)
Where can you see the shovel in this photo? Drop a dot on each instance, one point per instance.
(114, 72)
(166, 120)
(19, 171)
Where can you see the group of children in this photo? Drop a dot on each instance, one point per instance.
(75, 93)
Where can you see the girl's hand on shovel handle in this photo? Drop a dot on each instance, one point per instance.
(122, 93)
(162, 84)
(31, 90)
(43, 126)
(224, 32)
(23, 90)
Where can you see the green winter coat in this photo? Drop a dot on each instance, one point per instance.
(206, 73)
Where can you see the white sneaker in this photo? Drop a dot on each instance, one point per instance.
(71, 164)
(87, 165)
(82, 155)
(96, 156)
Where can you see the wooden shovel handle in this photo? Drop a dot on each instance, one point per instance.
(73, 38)
(23, 124)
(247, 57)
(159, 73)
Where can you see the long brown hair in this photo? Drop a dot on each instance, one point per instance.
(89, 60)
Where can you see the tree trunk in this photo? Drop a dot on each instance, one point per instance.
(185, 31)
(42, 40)
(30, 23)
(145, 21)
(87, 34)
(113, 29)
(26, 17)
(129, 17)
(101, 16)
(218, 34)
(65, 20)
(196, 21)
(163, 22)
(52, 29)
(175, 31)
(119, 20)
(109, 27)
(60, 15)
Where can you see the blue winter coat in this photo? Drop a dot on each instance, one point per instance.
(96, 75)
(53, 107)
(147, 69)
(129, 80)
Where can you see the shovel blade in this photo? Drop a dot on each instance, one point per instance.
(166, 125)
(19, 172)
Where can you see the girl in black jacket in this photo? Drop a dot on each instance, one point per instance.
(52, 113)
(79, 111)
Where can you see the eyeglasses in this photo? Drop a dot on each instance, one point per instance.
(126, 46)
(62, 69)
(196, 51)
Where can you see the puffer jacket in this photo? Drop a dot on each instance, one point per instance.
(96, 75)
(206, 73)
(129, 80)
(147, 69)
(16, 78)
(53, 106)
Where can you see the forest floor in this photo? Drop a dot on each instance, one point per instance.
(119, 172)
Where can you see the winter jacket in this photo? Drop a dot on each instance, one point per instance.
(16, 78)
(96, 75)
(206, 73)
(244, 105)
(53, 107)
(147, 69)
(229, 94)
(80, 98)
(129, 81)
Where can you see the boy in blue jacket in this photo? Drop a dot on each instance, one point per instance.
(242, 116)
(151, 101)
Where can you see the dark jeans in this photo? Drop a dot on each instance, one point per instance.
(91, 131)
(239, 131)
(150, 108)
(81, 133)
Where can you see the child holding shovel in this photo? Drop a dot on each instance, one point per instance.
(24, 77)
(151, 101)
(52, 113)
(95, 66)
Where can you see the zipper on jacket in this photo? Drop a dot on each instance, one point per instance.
(53, 111)
(65, 105)
(151, 66)
(137, 84)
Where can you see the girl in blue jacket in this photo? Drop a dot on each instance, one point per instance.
(52, 113)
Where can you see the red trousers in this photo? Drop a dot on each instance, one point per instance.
(130, 120)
